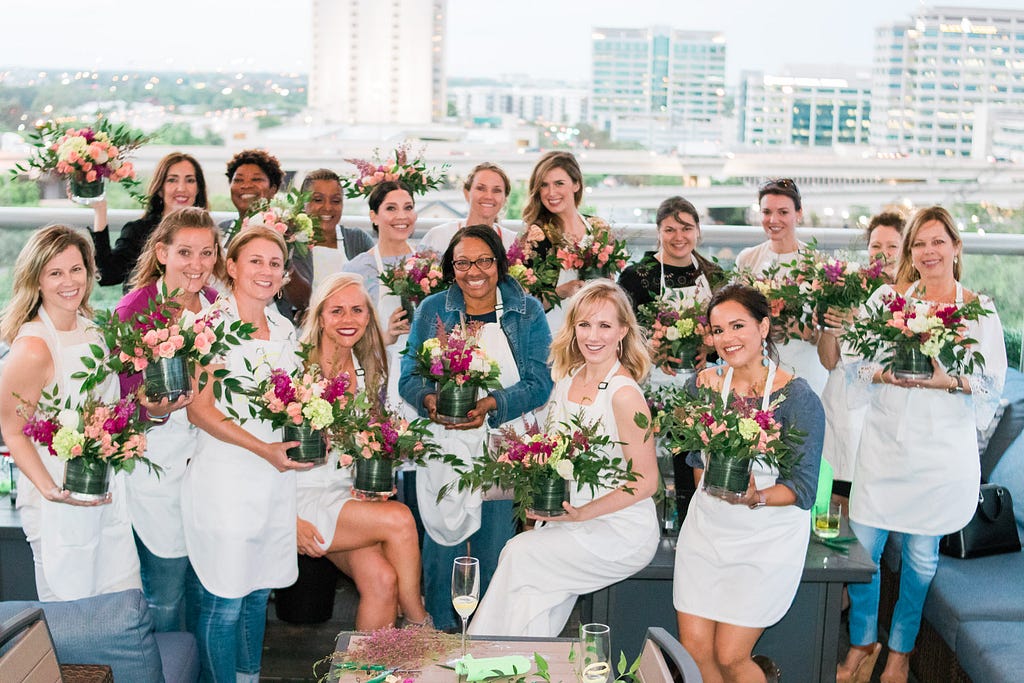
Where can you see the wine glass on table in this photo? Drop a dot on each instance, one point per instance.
(465, 590)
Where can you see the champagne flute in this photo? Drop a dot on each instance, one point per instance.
(465, 590)
(595, 653)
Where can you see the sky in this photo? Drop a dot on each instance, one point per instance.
(545, 39)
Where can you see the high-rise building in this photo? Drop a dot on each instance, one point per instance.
(935, 74)
(652, 84)
(540, 102)
(806, 106)
(378, 61)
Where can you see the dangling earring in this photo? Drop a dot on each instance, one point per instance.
(955, 259)
(720, 370)
(764, 352)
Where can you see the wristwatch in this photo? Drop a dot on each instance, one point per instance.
(957, 388)
(760, 502)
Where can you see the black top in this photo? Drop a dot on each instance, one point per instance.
(115, 265)
(642, 280)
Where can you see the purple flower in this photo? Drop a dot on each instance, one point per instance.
(834, 271)
(282, 383)
(335, 388)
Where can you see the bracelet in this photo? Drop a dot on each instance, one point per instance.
(159, 419)
(957, 387)
(761, 501)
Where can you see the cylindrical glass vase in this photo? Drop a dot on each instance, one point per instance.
(88, 480)
(373, 478)
(86, 192)
(312, 447)
(168, 378)
(909, 362)
(409, 307)
(726, 478)
(549, 494)
(688, 354)
(454, 402)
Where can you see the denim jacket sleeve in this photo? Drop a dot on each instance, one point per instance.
(412, 387)
(530, 339)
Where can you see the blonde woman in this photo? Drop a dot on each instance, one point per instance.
(80, 549)
(373, 542)
(598, 358)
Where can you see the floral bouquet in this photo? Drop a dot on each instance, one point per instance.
(536, 273)
(906, 335)
(165, 343)
(413, 279)
(307, 405)
(460, 366)
(838, 283)
(413, 172)
(377, 439)
(538, 466)
(285, 215)
(90, 440)
(732, 435)
(87, 156)
(787, 293)
(598, 254)
(677, 327)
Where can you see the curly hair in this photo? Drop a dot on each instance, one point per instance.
(267, 163)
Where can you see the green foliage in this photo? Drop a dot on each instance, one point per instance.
(18, 193)
(181, 135)
(516, 200)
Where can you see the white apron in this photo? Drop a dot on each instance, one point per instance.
(457, 516)
(86, 551)
(327, 261)
(321, 492)
(700, 291)
(917, 445)
(238, 510)
(154, 502)
(736, 565)
(386, 305)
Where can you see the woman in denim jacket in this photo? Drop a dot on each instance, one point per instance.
(516, 335)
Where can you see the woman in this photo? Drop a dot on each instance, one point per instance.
(675, 269)
(180, 257)
(177, 183)
(80, 549)
(556, 190)
(339, 244)
(252, 174)
(738, 563)
(373, 542)
(238, 495)
(781, 210)
(930, 424)
(843, 423)
(606, 535)
(486, 191)
(517, 337)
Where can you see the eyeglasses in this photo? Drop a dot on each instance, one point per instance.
(483, 263)
(780, 184)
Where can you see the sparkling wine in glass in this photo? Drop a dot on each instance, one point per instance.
(465, 590)
(595, 653)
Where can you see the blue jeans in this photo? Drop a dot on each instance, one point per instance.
(163, 582)
(229, 632)
(920, 558)
(497, 526)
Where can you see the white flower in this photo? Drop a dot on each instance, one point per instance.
(564, 469)
(919, 324)
(480, 364)
(256, 220)
(68, 418)
(672, 333)
(852, 267)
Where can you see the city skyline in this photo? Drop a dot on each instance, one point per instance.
(479, 44)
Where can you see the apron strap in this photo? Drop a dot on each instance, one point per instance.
(766, 399)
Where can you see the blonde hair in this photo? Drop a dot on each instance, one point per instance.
(44, 245)
(565, 353)
(535, 213)
(148, 268)
(907, 273)
(369, 351)
(243, 238)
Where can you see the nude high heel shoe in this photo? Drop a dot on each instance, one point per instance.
(862, 672)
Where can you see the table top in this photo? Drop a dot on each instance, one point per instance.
(555, 652)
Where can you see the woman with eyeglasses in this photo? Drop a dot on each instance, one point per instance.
(516, 336)
(781, 210)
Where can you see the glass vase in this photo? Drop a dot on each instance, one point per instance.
(454, 402)
(87, 479)
(86, 192)
(726, 478)
(909, 362)
(549, 494)
(373, 478)
(168, 378)
(312, 447)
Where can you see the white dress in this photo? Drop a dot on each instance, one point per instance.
(735, 565)
(440, 236)
(542, 572)
(321, 492)
(921, 445)
(796, 356)
(238, 510)
(79, 552)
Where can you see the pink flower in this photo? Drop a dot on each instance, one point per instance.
(344, 459)
(294, 411)
(166, 349)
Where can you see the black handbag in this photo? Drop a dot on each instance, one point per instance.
(991, 531)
